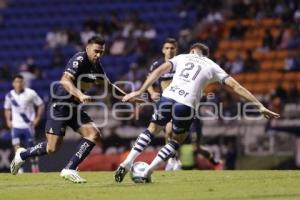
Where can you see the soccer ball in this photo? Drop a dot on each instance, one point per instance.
(136, 173)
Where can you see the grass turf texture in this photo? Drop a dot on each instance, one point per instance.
(183, 185)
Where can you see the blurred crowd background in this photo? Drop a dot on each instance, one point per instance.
(257, 42)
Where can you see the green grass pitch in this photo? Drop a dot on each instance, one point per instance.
(182, 185)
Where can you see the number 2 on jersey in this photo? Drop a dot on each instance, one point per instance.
(190, 66)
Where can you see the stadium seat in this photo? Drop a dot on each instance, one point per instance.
(263, 76)
(250, 77)
(276, 76)
(266, 65)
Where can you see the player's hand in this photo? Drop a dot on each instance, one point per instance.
(130, 96)
(155, 96)
(137, 100)
(85, 98)
(268, 113)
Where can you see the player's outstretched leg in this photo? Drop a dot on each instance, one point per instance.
(163, 155)
(139, 146)
(69, 172)
(217, 163)
(22, 154)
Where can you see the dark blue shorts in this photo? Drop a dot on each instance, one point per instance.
(181, 115)
(22, 136)
(60, 115)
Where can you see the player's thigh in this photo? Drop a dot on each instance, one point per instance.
(82, 123)
(161, 116)
(182, 118)
(59, 117)
(155, 128)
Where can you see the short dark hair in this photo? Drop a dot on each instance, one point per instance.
(96, 40)
(171, 41)
(202, 47)
(17, 76)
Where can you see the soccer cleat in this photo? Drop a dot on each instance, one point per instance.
(72, 175)
(17, 162)
(173, 164)
(177, 165)
(146, 178)
(120, 174)
(142, 179)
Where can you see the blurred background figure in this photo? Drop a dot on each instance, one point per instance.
(21, 117)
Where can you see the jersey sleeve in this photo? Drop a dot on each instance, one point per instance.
(219, 75)
(174, 62)
(73, 65)
(36, 99)
(153, 66)
(7, 103)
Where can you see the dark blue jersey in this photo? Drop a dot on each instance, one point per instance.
(85, 75)
(166, 76)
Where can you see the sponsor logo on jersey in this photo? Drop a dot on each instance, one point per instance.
(179, 91)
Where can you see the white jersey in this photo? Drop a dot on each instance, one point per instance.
(22, 107)
(193, 74)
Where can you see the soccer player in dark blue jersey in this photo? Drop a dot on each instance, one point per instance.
(82, 72)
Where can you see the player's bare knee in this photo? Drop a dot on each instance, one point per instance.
(52, 149)
(93, 136)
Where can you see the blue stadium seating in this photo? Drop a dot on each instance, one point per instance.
(26, 23)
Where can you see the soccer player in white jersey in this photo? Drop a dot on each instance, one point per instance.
(194, 71)
(21, 117)
(169, 50)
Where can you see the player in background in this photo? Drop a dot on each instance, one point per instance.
(83, 71)
(21, 118)
(194, 71)
(169, 50)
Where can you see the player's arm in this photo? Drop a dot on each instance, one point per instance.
(122, 92)
(243, 92)
(153, 76)
(67, 82)
(7, 114)
(7, 111)
(154, 95)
